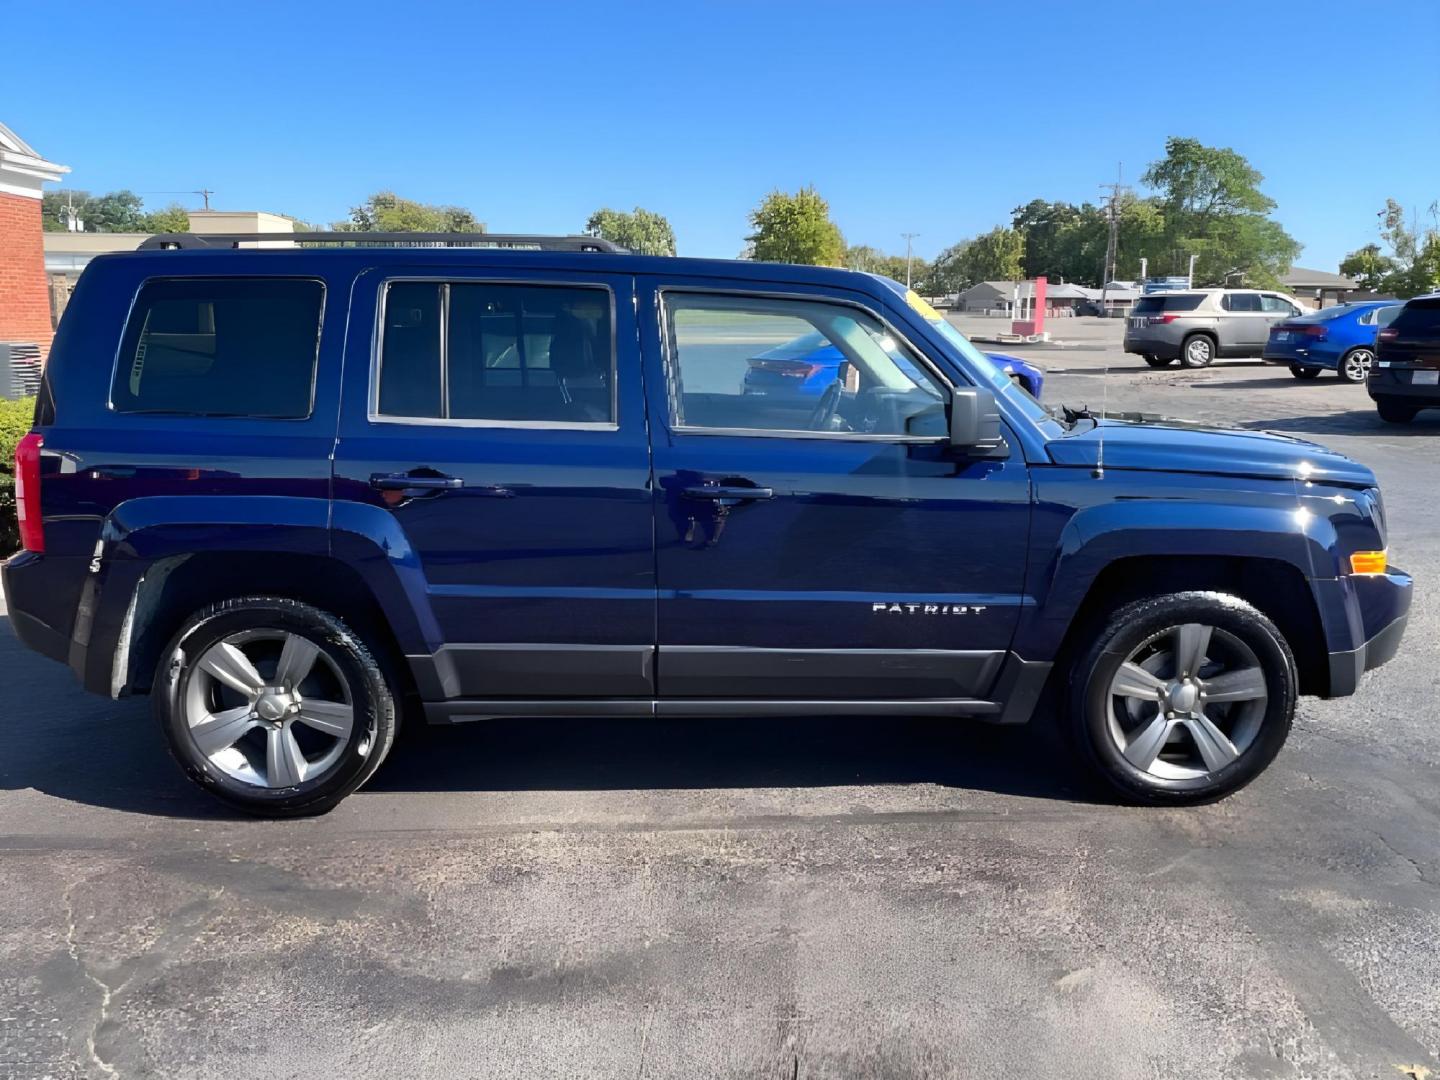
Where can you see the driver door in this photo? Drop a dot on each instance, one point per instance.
(816, 538)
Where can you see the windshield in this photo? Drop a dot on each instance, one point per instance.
(984, 367)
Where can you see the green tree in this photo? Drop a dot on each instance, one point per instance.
(948, 271)
(642, 231)
(387, 212)
(115, 211)
(795, 229)
(171, 219)
(1412, 265)
(997, 255)
(15, 420)
(1369, 266)
(1213, 208)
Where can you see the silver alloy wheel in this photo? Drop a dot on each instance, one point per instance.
(1187, 702)
(1197, 350)
(269, 708)
(1357, 365)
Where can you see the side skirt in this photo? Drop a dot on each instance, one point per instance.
(458, 712)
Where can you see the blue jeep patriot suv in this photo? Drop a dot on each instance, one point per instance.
(295, 493)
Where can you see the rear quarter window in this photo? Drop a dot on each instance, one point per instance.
(1157, 305)
(221, 347)
(1419, 317)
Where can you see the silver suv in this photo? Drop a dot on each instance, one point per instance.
(1199, 325)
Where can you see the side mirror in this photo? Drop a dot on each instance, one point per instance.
(975, 420)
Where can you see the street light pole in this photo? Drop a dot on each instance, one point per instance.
(909, 236)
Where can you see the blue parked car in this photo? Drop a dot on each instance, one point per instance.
(1339, 339)
(294, 494)
(806, 365)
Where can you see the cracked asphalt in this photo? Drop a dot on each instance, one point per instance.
(786, 898)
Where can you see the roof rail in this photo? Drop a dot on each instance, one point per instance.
(269, 241)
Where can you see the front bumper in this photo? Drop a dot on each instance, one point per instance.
(1365, 619)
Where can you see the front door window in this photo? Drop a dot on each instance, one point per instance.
(780, 365)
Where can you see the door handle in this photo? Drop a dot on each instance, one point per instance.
(728, 492)
(407, 482)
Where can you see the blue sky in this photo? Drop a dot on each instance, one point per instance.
(933, 118)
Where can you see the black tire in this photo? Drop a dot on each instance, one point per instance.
(1395, 412)
(1158, 361)
(1134, 627)
(1354, 366)
(1304, 372)
(371, 699)
(1197, 351)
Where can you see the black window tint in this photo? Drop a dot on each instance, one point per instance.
(511, 352)
(221, 347)
(795, 365)
(410, 350)
(1387, 315)
(1241, 302)
(530, 352)
(1419, 317)
(1154, 305)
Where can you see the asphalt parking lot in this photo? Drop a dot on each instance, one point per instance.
(796, 898)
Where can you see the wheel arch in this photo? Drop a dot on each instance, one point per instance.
(175, 588)
(1275, 586)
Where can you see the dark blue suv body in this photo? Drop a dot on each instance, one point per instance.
(296, 493)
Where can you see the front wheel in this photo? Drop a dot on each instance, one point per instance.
(1183, 698)
(273, 706)
(1304, 372)
(1354, 366)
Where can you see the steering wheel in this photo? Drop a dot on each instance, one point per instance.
(823, 416)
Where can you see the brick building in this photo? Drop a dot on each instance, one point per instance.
(24, 292)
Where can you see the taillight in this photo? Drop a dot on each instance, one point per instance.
(1389, 334)
(27, 492)
(1167, 318)
(790, 369)
(1313, 330)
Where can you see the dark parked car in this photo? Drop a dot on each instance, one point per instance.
(295, 494)
(1339, 339)
(1405, 377)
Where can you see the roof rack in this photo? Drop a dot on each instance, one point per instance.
(269, 241)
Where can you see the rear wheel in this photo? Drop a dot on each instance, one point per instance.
(1183, 698)
(1157, 361)
(1304, 372)
(274, 706)
(1355, 365)
(1198, 351)
(1395, 412)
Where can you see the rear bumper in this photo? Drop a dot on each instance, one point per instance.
(23, 577)
(1365, 619)
(1302, 357)
(1143, 344)
(1396, 383)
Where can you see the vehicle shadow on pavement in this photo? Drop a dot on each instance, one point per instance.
(608, 754)
(84, 749)
(1352, 422)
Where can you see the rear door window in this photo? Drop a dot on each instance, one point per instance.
(1159, 305)
(221, 347)
(1241, 302)
(497, 353)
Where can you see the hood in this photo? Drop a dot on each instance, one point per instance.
(1163, 444)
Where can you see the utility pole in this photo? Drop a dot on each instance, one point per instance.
(909, 236)
(1112, 213)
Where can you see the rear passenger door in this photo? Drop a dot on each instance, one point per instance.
(502, 425)
(1245, 325)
